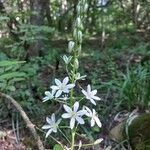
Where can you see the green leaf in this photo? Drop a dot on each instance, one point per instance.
(18, 79)
(57, 147)
(4, 18)
(11, 88)
(12, 75)
(9, 63)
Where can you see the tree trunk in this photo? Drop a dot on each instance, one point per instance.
(134, 14)
(12, 24)
(48, 13)
(38, 9)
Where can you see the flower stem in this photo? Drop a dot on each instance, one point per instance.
(64, 136)
(73, 77)
(72, 139)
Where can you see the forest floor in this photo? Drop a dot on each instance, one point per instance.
(103, 67)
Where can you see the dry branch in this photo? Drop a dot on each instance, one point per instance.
(26, 119)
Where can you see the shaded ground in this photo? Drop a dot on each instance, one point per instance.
(100, 65)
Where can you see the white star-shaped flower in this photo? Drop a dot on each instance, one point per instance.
(74, 114)
(62, 87)
(94, 117)
(91, 95)
(49, 95)
(52, 125)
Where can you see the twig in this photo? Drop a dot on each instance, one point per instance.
(26, 119)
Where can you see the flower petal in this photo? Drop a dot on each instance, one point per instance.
(88, 89)
(58, 121)
(58, 93)
(46, 127)
(48, 93)
(48, 120)
(54, 87)
(88, 112)
(58, 83)
(65, 81)
(94, 92)
(92, 122)
(46, 98)
(66, 115)
(94, 112)
(48, 133)
(67, 108)
(81, 112)
(80, 120)
(92, 101)
(72, 123)
(96, 98)
(75, 106)
(65, 90)
(84, 92)
(98, 122)
(53, 117)
(70, 86)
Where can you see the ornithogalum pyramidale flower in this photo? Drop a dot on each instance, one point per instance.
(74, 114)
(62, 87)
(94, 117)
(52, 125)
(49, 95)
(90, 95)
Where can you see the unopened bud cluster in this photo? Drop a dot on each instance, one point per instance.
(78, 28)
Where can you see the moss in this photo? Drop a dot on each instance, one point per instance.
(139, 132)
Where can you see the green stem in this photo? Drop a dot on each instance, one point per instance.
(64, 136)
(50, 137)
(85, 145)
(73, 76)
(67, 71)
(60, 101)
(72, 140)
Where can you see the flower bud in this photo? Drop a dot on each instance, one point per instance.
(78, 9)
(67, 59)
(85, 7)
(76, 63)
(79, 36)
(79, 77)
(83, 2)
(75, 32)
(78, 22)
(71, 45)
